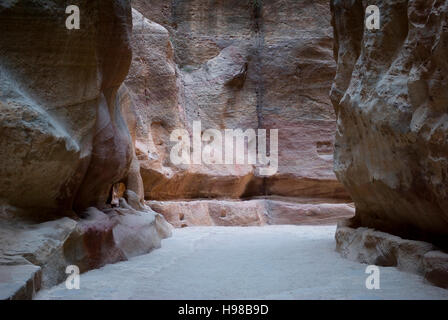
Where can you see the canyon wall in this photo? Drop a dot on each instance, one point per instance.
(64, 140)
(86, 117)
(70, 185)
(235, 64)
(390, 96)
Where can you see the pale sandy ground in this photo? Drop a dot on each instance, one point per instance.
(274, 262)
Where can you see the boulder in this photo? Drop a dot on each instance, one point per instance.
(117, 234)
(36, 255)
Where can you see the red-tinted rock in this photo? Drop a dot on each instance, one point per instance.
(233, 65)
(250, 213)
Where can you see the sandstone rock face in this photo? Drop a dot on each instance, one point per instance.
(383, 249)
(19, 282)
(39, 244)
(182, 214)
(117, 235)
(250, 213)
(46, 249)
(158, 90)
(435, 264)
(64, 140)
(67, 128)
(234, 64)
(390, 96)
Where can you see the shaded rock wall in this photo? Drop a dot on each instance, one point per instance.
(70, 184)
(235, 64)
(64, 140)
(390, 96)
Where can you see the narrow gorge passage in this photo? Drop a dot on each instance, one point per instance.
(237, 149)
(272, 262)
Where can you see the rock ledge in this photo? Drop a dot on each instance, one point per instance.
(383, 249)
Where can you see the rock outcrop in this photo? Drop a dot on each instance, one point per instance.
(257, 212)
(390, 96)
(67, 161)
(235, 64)
(64, 140)
(116, 234)
(383, 249)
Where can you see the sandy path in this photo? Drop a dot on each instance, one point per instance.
(274, 262)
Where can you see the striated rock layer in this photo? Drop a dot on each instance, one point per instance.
(390, 95)
(234, 64)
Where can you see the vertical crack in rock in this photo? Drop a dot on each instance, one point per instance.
(233, 67)
(258, 29)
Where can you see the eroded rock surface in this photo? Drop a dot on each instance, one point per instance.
(62, 132)
(19, 281)
(257, 212)
(390, 95)
(67, 150)
(99, 238)
(383, 249)
(235, 64)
